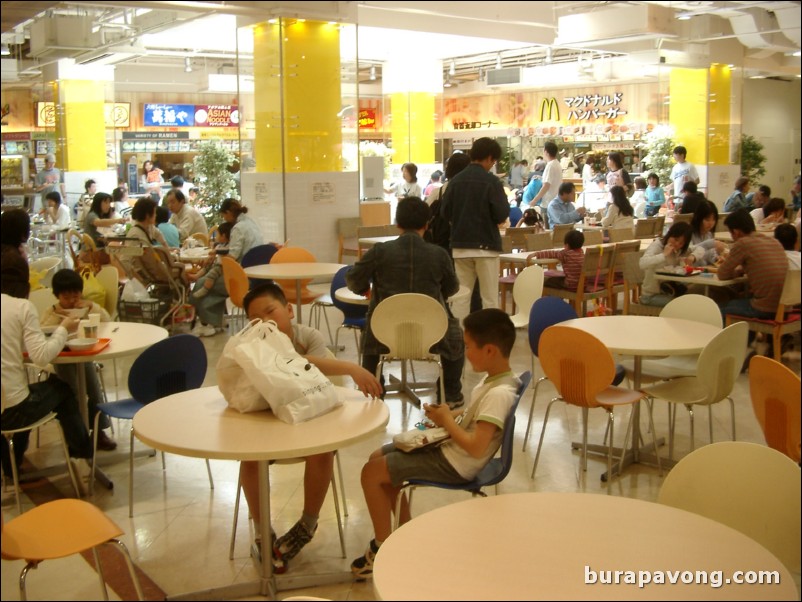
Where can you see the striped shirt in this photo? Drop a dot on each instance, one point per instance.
(765, 265)
(571, 260)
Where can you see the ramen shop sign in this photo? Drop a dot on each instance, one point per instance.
(216, 116)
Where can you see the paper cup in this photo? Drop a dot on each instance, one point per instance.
(94, 320)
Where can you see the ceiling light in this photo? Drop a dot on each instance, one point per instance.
(549, 58)
(187, 65)
(448, 83)
(797, 53)
(4, 50)
(498, 61)
(452, 70)
(373, 73)
(684, 16)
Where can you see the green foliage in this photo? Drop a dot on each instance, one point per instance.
(752, 159)
(213, 179)
(659, 147)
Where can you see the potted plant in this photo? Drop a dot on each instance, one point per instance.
(660, 148)
(212, 176)
(752, 159)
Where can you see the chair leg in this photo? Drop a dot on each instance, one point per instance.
(15, 475)
(73, 478)
(532, 410)
(337, 511)
(654, 439)
(236, 517)
(611, 424)
(693, 438)
(777, 344)
(342, 483)
(328, 326)
(583, 461)
(95, 430)
(543, 432)
(710, 421)
(131, 474)
(672, 414)
(100, 575)
(209, 472)
(732, 415)
(129, 563)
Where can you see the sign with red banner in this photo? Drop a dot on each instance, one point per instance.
(216, 116)
(367, 119)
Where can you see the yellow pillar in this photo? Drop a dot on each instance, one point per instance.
(297, 77)
(412, 94)
(80, 124)
(687, 111)
(720, 114)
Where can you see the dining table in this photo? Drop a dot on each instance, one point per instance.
(573, 546)
(199, 424)
(296, 271)
(639, 337)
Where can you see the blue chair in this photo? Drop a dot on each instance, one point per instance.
(170, 366)
(548, 311)
(515, 216)
(355, 315)
(492, 474)
(258, 255)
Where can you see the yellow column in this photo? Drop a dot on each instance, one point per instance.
(80, 124)
(412, 94)
(687, 111)
(297, 76)
(720, 115)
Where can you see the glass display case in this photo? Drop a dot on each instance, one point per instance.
(14, 172)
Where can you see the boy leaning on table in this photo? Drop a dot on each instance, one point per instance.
(489, 338)
(267, 302)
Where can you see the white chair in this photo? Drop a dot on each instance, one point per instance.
(409, 324)
(109, 277)
(527, 289)
(752, 488)
(717, 369)
(42, 298)
(46, 267)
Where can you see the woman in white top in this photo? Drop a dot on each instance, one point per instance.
(703, 225)
(409, 185)
(619, 213)
(671, 250)
(773, 212)
(588, 173)
(56, 212)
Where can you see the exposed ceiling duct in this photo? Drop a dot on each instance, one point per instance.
(610, 25)
(758, 28)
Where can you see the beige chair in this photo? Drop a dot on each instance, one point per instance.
(785, 321)
(644, 228)
(599, 260)
(621, 234)
(749, 487)
(375, 232)
(716, 371)
(347, 235)
(775, 393)
(618, 283)
(539, 242)
(558, 233)
(527, 289)
(44, 268)
(593, 237)
(720, 227)
(109, 277)
(42, 298)
(680, 218)
(200, 237)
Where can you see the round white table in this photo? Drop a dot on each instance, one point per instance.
(200, 424)
(644, 336)
(293, 271)
(546, 546)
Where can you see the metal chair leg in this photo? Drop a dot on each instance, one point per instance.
(543, 432)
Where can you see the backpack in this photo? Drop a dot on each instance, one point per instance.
(438, 230)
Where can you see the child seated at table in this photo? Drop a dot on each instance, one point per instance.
(68, 287)
(489, 338)
(672, 250)
(267, 302)
(215, 270)
(571, 256)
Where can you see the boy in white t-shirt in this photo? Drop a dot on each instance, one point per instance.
(682, 171)
(489, 338)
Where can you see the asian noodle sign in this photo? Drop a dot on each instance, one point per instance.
(216, 116)
(367, 119)
(594, 106)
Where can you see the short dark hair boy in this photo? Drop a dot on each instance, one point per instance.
(575, 239)
(491, 326)
(412, 213)
(787, 236)
(265, 289)
(67, 281)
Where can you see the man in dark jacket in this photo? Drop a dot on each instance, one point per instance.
(411, 265)
(476, 205)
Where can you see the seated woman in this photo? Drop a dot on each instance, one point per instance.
(671, 250)
(772, 213)
(56, 213)
(68, 285)
(620, 213)
(530, 217)
(703, 225)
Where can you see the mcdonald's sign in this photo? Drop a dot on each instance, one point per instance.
(550, 106)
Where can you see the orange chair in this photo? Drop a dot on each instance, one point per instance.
(776, 400)
(235, 280)
(582, 368)
(295, 255)
(59, 529)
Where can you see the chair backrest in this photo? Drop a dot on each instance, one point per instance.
(42, 298)
(593, 237)
(720, 227)
(693, 307)
(633, 273)
(258, 255)
(109, 277)
(599, 259)
(621, 234)
(350, 310)
(538, 242)
(558, 233)
(721, 361)
(658, 224)
(622, 249)
(74, 246)
(776, 399)
(680, 218)
(644, 228)
(172, 365)
(791, 289)
(293, 255)
(515, 216)
(213, 233)
(578, 364)
(236, 281)
(749, 487)
(547, 311)
(348, 227)
(518, 236)
(409, 324)
(528, 288)
(44, 268)
(497, 469)
(373, 231)
(200, 237)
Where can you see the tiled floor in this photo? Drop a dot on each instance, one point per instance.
(179, 535)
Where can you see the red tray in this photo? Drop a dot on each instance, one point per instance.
(97, 348)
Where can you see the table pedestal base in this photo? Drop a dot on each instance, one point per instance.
(265, 587)
(632, 456)
(403, 386)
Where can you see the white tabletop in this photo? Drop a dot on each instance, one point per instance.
(708, 279)
(199, 424)
(194, 254)
(647, 335)
(293, 271)
(536, 546)
(126, 338)
(345, 295)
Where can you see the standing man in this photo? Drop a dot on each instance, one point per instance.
(682, 171)
(561, 209)
(552, 175)
(50, 179)
(475, 204)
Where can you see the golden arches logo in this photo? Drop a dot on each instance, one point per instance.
(550, 106)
